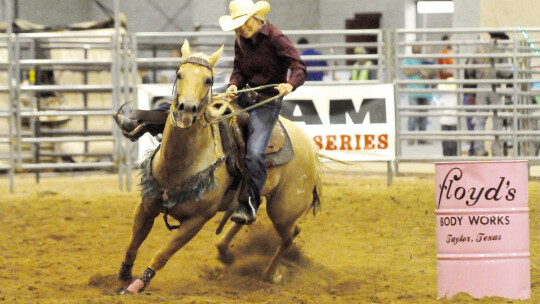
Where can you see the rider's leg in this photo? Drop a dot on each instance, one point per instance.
(134, 128)
(261, 124)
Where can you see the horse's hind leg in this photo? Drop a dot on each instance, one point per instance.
(143, 221)
(225, 254)
(287, 233)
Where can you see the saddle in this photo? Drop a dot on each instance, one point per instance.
(233, 133)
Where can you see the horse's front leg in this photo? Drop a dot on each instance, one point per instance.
(143, 221)
(187, 230)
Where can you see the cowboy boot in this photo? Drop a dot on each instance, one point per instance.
(130, 127)
(246, 212)
(125, 123)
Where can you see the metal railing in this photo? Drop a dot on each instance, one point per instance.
(6, 109)
(499, 74)
(36, 146)
(154, 52)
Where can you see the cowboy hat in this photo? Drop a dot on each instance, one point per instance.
(241, 11)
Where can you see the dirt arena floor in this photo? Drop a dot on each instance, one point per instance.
(62, 241)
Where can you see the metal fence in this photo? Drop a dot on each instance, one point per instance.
(511, 115)
(158, 53)
(63, 89)
(6, 93)
(487, 110)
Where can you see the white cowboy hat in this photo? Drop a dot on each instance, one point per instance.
(241, 11)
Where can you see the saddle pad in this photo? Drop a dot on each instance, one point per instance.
(277, 138)
(283, 155)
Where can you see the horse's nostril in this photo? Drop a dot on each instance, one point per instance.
(194, 109)
(181, 107)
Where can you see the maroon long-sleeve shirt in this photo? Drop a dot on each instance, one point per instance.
(267, 60)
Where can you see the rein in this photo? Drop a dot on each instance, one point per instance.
(222, 118)
(257, 88)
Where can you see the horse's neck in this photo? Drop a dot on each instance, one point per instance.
(187, 148)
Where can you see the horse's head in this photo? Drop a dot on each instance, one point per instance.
(193, 85)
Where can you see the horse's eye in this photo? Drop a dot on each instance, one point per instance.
(208, 81)
(178, 76)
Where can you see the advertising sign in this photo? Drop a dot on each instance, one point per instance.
(482, 221)
(350, 122)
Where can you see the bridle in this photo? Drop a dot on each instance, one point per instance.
(202, 103)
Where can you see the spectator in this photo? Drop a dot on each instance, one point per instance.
(469, 99)
(145, 78)
(446, 50)
(449, 121)
(362, 72)
(416, 99)
(312, 75)
(489, 96)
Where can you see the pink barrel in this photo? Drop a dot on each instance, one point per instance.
(483, 229)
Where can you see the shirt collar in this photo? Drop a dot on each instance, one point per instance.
(265, 29)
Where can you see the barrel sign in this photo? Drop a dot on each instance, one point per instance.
(483, 229)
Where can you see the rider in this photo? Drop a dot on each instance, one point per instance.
(262, 56)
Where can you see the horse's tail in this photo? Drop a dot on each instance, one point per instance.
(317, 189)
(319, 156)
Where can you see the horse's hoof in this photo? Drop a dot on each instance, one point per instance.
(276, 278)
(225, 256)
(124, 275)
(123, 291)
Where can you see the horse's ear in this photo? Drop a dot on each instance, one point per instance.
(214, 57)
(185, 49)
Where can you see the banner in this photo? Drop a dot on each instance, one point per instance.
(350, 122)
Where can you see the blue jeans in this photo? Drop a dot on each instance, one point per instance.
(260, 126)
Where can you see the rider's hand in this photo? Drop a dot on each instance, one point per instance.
(232, 89)
(284, 88)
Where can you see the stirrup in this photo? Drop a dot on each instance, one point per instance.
(245, 215)
(125, 123)
(137, 133)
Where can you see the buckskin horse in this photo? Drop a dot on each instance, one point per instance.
(186, 177)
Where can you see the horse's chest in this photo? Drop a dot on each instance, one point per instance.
(200, 190)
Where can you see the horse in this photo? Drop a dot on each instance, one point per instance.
(189, 180)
